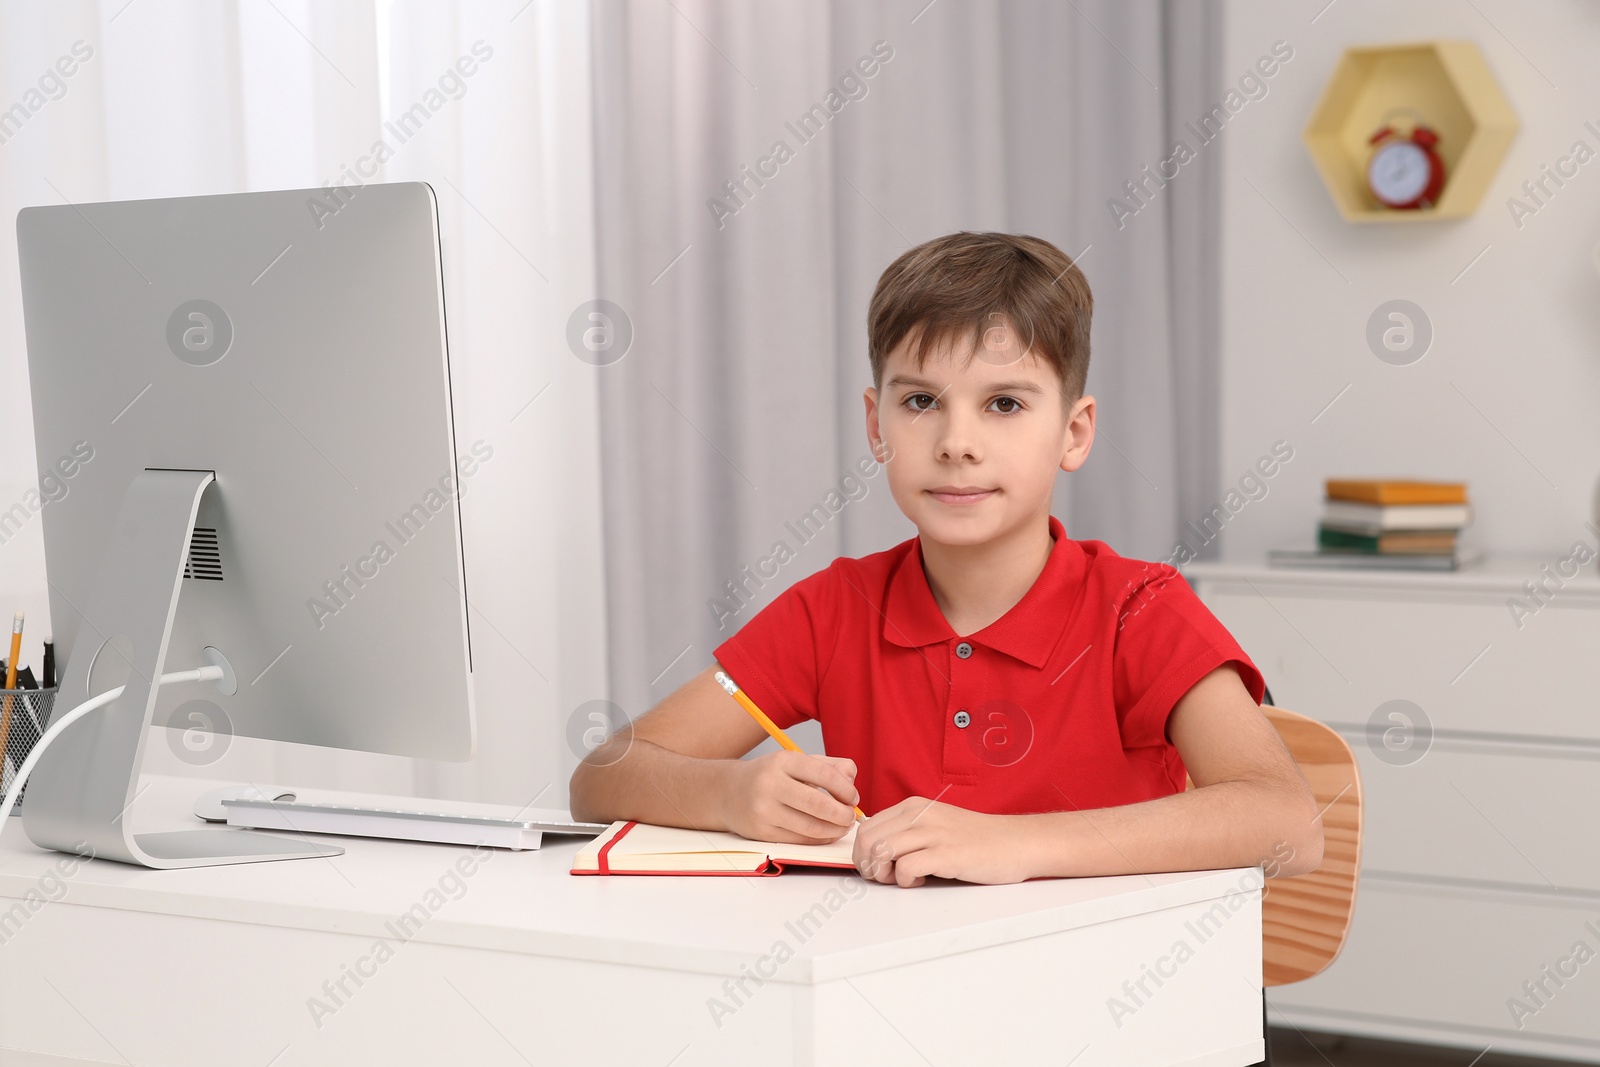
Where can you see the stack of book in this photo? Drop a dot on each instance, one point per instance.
(1407, 525)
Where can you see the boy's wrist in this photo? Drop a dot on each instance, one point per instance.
(723, 775)
(1048, 843)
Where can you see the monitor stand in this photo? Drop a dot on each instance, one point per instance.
(84, 783)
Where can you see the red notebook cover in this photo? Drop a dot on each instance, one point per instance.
(767, 867)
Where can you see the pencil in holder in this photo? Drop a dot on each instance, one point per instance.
(24, 715)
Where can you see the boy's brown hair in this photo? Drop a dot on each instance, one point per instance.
(954, 286)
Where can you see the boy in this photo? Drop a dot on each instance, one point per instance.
(1003, 702)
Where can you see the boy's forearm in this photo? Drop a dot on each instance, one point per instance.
(1230, 824)
(651, 784)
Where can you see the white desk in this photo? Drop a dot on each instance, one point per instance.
(520, 962)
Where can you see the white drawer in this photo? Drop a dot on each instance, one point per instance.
(1451, 961)
(1483, 812)
(1338, 654)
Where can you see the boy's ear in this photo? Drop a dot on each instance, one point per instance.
(1079, 436)
(874, 434)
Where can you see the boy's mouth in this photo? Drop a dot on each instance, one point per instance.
(960, 494)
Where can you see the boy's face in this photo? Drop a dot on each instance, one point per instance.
(973, 446)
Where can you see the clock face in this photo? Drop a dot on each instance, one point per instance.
(1399, 172)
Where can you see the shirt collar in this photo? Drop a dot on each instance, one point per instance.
(1028, 632)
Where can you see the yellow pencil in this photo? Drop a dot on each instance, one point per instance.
(11, 682)
(761, 717)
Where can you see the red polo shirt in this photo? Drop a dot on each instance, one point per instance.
(1060, 704)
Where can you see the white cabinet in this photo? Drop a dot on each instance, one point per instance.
(1477, 728)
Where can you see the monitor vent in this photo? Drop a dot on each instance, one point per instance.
(205, 558)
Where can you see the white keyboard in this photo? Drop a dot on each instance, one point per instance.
(400, 824)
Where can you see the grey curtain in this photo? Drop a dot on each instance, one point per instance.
(736, 413)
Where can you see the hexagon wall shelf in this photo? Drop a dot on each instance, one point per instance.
(1445, 83)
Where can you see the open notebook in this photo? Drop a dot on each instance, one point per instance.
(640, 848)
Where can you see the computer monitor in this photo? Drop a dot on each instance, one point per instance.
(252, 394)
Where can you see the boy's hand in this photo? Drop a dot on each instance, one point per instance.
(919, 837)
(776, 798)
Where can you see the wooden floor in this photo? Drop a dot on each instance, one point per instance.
(1291, 1048)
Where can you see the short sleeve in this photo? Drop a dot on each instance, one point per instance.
(778, 657)
(1166, 641)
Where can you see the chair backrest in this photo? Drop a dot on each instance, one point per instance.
(1306, 919)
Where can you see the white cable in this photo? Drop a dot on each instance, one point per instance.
(199, 674)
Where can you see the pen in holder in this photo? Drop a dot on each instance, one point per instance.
(24, 714)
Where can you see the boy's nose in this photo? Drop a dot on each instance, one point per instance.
(959, 440)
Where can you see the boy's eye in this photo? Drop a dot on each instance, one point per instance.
(1007, 405)
(915, 401)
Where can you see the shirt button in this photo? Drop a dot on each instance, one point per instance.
(963, 650)
(963, 719)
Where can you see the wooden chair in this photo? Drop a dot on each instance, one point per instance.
(1306, 919)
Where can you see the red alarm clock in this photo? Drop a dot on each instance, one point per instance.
(1405, 172)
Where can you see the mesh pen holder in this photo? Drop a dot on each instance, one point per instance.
(30, 714)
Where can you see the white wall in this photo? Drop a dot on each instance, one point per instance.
(1508, 397)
